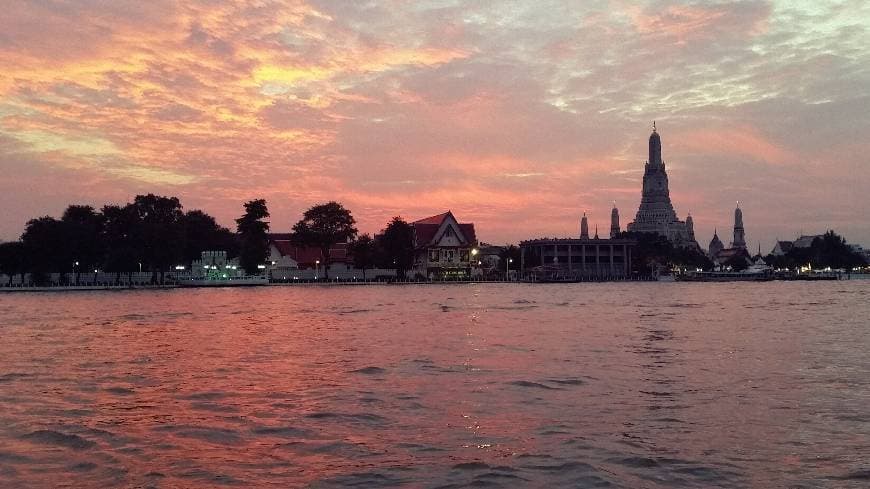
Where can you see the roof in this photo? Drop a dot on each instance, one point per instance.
(307, 255)
(425, 229)
(785, 246)
(437, 220)
(806, 241)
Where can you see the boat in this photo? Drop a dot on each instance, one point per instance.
(751, 274)
(240, 281)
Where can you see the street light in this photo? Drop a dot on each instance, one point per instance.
(507, 265)
(316, 268)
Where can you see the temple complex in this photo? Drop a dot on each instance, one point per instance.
(656, 213)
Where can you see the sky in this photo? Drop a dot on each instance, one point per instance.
(516, 115)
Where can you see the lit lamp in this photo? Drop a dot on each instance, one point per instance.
(316, 268)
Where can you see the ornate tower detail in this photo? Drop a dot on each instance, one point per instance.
(596, 231)
(739, 234)
(690, 227)
(656, 212)
(715, 246)
(614, 221)
(584, 227)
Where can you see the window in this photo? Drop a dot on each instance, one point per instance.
(450, 255)
(434, 255)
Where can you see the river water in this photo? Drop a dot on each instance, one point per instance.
(639, 385)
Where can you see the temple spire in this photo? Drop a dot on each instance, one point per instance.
(614, 221)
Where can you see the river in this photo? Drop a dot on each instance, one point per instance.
(637, 385)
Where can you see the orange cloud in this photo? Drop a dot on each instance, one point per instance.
(746, 142)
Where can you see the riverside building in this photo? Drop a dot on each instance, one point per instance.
(572, 259)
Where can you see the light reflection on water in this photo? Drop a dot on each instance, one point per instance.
(495, 385)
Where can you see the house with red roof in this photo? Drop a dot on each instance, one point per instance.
(286, 259)
(443, 247)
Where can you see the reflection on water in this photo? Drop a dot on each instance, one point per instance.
(497, 385)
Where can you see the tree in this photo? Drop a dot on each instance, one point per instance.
(202, 233)
(363, 251)
(253, 238)
(82, 227)
(46, 248)
(160, 231)
(120, 235)
(12, 260)
(322, 226)
(397, 243)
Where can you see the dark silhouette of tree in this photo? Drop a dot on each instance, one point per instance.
(160, 232)
(13, 260)
(829, 250)
(120, 235)
(46, 248)
(253, 238)
(397, 244)
(202, 233)
(83, 227)
(654, 251)
(363, 251)
(323, 226)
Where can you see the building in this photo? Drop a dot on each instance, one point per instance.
(716, 245)
(739, 239)
(488, 260)
(443, 247)
(214, 265)
(656, 212)
(807, 241)
(781, 248)
(614, 222)
(717, 251)
(575, 259)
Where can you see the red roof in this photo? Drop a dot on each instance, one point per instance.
(437, 220)
(307, 256)
(426, 229)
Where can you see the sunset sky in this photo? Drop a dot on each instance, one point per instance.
(516, 115)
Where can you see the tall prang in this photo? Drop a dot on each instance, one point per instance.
(656, 212)
(739, 240)
(584, 227)
(614, 222)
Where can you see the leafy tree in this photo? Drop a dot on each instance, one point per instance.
(829, 250)
(82, 227)
(160, 232)
(202, 233)
(120, 235)
(13, 260)
(46, 248)
(363, 250)
(253, 238)
(323, 226)
(397, 244)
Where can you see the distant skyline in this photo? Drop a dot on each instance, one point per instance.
(516, 115)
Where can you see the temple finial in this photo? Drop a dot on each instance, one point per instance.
(654, 126)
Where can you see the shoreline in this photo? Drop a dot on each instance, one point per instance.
(95, 288)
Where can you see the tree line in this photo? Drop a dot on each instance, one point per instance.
(828, 250)
(154, 234)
